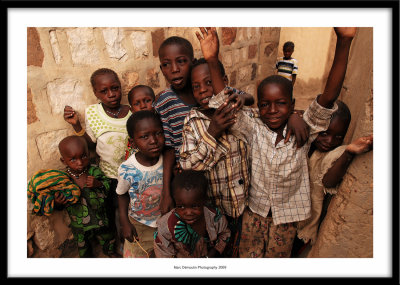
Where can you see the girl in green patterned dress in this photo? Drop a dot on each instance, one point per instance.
(88, 216)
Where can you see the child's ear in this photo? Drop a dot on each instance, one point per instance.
(225, 79)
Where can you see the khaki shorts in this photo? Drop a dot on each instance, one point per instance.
(261, 238)
(143, 248)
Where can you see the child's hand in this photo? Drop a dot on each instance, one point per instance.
(345, 32)
(300, 129)
(209, 43)
(360, 145)
(92, 182)
(59, 199)
(129, 232)
(70, 116)
(223, 118)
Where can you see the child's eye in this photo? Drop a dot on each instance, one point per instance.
(196, 86)
(164, 64)
(181, 207)
(144, 137)
(208, 82)
(323, 134)
(263, 105)
(182, 61)
(115, 88)
(339, 137)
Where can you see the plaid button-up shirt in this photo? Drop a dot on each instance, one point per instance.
(225, 162)
(279, 174)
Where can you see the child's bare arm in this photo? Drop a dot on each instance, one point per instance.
(298, 126)
(335, 174)
(92, 182)
(128, 230)
(210, 47)
(167, 203)
(71, 117)
(339, 66)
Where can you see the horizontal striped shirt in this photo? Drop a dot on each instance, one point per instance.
(173, 111)
(224, 161)
(287, 67)
(279, 174)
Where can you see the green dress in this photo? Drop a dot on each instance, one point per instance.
(89, 216)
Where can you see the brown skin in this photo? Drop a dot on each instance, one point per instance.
(223, 117)
(335, 174)
(149, 139)
(107, 89)
(75, 155)
(190, 207)
(210, 47)
(175, 64)
(287, 53)
(140, 100)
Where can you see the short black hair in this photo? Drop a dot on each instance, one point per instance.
(288, 44)
(343, 113)
(103, 71)
(190, 180)
(202, 60)
(70, 140)
(136, 117)
(276, 79)
(175, 40)
(130, 93)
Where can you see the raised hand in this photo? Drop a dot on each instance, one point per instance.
(345, 32)
(70, 116)
(209, 42)
(360, 145)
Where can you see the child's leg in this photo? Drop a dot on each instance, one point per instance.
(82, 240)
(142, 248)
(280, 239)
(252, 241)
(232, 248)
(106, 238)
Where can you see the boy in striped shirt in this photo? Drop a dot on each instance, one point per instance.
(286, 66)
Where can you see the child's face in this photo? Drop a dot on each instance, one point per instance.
(175, 65)
(275, 107)
(75, 156)
(189, 205)
(201, 85)
(148, 137)
(333, 136)
(108, 90)
(287, 52)
(141, 100)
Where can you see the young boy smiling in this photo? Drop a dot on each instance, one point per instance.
(279, 195)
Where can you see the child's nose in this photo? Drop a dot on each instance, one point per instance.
(175, 67)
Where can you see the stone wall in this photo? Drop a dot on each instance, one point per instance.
(60, 62)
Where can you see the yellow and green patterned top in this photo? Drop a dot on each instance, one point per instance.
(110, 136)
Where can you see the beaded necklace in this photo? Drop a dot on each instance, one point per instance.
(111, 113)
(75, 175)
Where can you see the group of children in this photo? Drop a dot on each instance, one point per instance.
(197, 172)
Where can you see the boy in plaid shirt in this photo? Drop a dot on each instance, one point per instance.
(279, 195)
